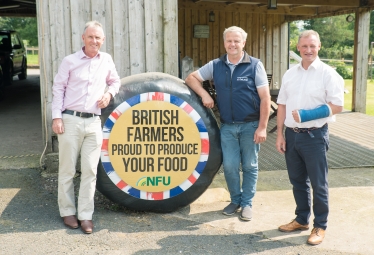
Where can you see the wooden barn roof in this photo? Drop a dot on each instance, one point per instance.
(17, 8)
(293, 9)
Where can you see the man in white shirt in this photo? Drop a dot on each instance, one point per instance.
(311, 93)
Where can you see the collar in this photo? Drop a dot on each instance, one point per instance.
(315, 64)
(228, 61)
(82, 55)
(245, 59)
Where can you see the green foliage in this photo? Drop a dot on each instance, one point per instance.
(26, 27)
(342, 52)
(371, 29)
(336, 34)
(341, 69)
(32, 59)
(294, 35)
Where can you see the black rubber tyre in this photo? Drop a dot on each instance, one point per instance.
(160, 82)
(23, 74)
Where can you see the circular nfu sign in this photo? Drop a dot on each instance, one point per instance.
(155, 146)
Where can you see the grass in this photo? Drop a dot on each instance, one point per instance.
(32, 60)
(369, 96)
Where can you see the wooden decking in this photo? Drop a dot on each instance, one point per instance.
(351, 143)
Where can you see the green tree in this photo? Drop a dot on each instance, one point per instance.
(337, 35)
(26, 27)
(294, 34)
(371, 29)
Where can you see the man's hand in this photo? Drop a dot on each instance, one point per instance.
(295, 115)
(208, 101)
(58, 126)
(104, 100)
(280, 144)
(194, 81)
(260, 135)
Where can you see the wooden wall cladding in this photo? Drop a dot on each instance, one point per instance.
(267, 37)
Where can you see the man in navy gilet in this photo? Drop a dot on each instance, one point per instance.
(243, 100)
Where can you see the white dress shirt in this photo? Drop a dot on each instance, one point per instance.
(307, 89)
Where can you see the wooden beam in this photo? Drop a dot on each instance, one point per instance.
(247, 8)
(346, 3)
(290, 18)
(295, 6)
(360, 61)
(154, 39)
(137, 37)
(332, 10)
(23, 15)
(328, 11)
(170, 50)
(46, 72)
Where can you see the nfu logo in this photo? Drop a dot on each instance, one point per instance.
(153, 181)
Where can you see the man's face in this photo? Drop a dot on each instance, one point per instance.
(308, 48)
(93, 38)
(234, 43)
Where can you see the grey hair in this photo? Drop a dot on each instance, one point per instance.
(235, 29)
(92, 23)
(307, 33)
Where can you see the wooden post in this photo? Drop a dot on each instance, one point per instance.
(170, 19)
(277, 50)
(283, 53)
(360, 60)
(46, 79)
(154, 46)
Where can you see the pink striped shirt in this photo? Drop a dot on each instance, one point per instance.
(81, 81)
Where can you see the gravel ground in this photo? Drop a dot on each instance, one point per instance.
(30, 224)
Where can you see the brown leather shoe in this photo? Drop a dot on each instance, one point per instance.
(87, 226)
(71, 221)
(293, 226)
(316, 237)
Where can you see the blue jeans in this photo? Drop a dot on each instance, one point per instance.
(307, 166)
(238, 148)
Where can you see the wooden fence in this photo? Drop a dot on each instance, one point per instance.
(32, 50)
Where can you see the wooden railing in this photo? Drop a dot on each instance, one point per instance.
(31, 50)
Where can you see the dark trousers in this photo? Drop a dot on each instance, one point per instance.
(307, 165)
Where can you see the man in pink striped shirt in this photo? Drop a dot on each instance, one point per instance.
(85, 83)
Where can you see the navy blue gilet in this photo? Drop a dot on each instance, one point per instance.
(237, 97)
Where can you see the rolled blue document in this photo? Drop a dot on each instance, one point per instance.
(320, 112)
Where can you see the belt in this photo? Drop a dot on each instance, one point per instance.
(80, 114)
(302, 130)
